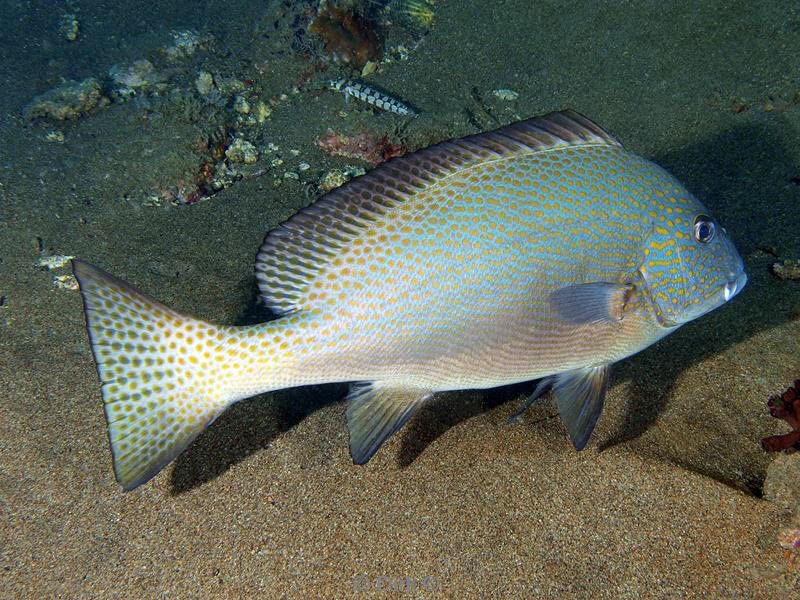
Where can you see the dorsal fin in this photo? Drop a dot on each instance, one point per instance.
(294, 252)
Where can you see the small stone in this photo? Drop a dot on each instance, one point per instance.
(272, 147)
(782, 483)
(69, 27)
(354, 171)
(303, 166)
(66, 282)
(294, 152)
(332, 180)
(262, 111)
(369, 68)
(54, 136)
(276, 162)
(241, 105)
(291, 175)
(506, 94)
(243, 151)
(204, 83)
(53, 262)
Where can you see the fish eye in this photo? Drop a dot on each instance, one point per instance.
(704, 229)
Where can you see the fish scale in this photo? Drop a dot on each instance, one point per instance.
(541, 250)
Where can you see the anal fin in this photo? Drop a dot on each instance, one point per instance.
(375, 412)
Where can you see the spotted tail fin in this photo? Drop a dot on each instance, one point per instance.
(160, 373)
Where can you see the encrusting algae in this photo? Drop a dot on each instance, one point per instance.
(542, 250)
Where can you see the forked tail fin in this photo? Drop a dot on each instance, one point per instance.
(162, 373)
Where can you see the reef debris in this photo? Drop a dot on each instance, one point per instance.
(137, 76)
(420, 12)
(789, 538)
(347, 36)
(185, 43)
(787, 269)
(364, 146)
(70, 100)
(785, 406)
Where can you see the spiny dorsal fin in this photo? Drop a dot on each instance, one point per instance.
(295, 252)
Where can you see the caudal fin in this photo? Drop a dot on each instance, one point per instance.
(159, 372)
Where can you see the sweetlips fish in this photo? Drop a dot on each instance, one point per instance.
(542, 250)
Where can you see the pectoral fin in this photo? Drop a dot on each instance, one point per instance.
(376, 412)
(580, 394)
(587, 302)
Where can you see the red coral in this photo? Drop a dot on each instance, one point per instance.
(364, 146)
(347, 37)
(787, 407)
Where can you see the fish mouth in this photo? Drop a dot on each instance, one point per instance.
(734, 286)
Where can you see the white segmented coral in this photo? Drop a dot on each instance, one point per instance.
(373, 96)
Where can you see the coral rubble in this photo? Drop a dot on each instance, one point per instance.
(785, 406)
(788, 269)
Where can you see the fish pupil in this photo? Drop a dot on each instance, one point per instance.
(703, 229)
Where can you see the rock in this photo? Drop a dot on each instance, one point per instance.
(70, 100)
(782, 484)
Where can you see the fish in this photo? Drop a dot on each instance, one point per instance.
(543, 250)
(372, 95)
